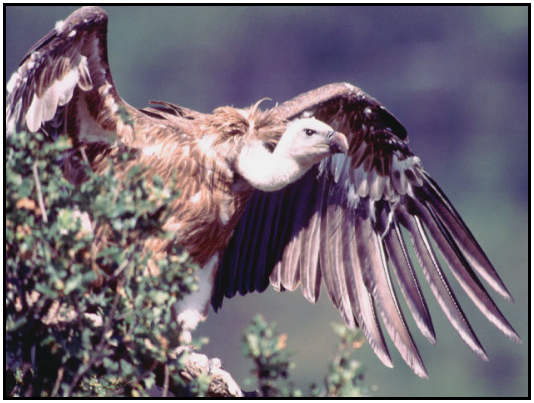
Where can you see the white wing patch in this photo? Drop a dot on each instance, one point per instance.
(59, 93)
(59, 26)
(43, 109)
(360, 183)
(10, 86)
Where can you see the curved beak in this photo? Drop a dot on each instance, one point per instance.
(338, 142)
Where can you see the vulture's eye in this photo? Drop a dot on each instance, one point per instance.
(309, 132)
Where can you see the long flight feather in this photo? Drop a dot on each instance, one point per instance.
(361, 298)
(439, 284)
(464, 274)
(374, 264)
(465, 240)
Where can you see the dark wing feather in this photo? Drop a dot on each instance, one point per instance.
(461, 269)
(341, 223)
(439, 284)
(361, 298)
(332, 263)
(64, 84)
(438, 203)
(411, 290)
(310, 277)
(376, 277)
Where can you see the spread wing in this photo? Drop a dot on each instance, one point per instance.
(343, 224)
(64, 84)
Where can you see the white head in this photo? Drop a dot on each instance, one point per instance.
(304, 143)
(309, 140)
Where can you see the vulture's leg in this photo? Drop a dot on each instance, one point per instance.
(193, 309)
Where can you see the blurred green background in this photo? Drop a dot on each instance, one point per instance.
(455, 76)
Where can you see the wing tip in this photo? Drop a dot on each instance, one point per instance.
(429, 334)
(421, 372)
(512, 335)
(504, 326)
(88, 11)
(516, 339)
(416, 365)
(310, 296)
(380, 350)
(438, 203)
(494, 282)
(507, 295)
(386, 360)
(83, 15)
(479, 350)
(415, 362)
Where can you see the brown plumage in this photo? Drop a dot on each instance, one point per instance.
(336, 220)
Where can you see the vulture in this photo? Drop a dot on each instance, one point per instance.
(319, 190)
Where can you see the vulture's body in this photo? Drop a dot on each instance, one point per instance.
(266, 197)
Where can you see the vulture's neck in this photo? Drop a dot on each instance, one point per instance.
(266, 170)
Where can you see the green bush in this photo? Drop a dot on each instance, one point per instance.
(83, 320)
(272, 363)
(71, 328)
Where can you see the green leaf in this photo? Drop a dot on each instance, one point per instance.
(110, 364)
(73, 283)
(159, 297)
(45, 289)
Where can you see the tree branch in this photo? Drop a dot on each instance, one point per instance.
(39, 192)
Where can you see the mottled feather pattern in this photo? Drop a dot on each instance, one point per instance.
(68, 67)
(209, 207)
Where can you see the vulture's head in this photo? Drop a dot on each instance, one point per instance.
(304, 143)
(309, 140)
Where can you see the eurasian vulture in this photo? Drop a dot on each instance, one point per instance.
(320, 189)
